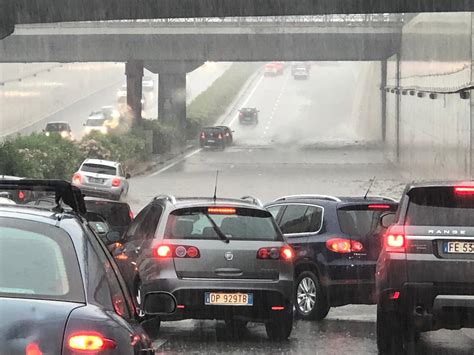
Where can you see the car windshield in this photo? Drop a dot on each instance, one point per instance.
(99, 169)
(57, 127)
(95, 122)
(38, 261)
(241, 224)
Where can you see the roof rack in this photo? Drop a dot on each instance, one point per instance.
(169, 198)
(254, 200)
(385, 198)
(64, 191)
(320, 197)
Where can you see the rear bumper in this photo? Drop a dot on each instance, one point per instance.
(190, 296)
(207, 144)
(94, 191)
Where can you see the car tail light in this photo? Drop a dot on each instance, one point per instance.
(90, 342)
(275, 253)
(344, 246)
(177, 251)
(203, 135)
(77, 179)
(278, 308)
(219, 136)
(130, 213)
(115, 182)
(241, 114)
(377, 206)
(221, 210)
(21, 195)
(394, 295)
(395, 239)
(464, 190)
(33, 349)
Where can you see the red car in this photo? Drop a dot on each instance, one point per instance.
(274, 68)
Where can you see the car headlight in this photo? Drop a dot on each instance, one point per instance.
(103, 130)
(47, 134)
(64, 134)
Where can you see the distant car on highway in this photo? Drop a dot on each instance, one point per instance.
(248, 115)
(219, 258)
(102, 178)
(213, 137)
(337, 241)
(425, 271)
(96, 123)
(273, 68)
(61, 128)
(112, 116)
(62, 292)
(300, 70)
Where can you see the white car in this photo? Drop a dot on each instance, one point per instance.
(96, 123)
(102, 178)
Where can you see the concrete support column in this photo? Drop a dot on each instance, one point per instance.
(383, 97)
(172, 99)
(398, 109)
(134, 73)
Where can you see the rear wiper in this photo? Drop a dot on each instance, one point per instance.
(216, 228)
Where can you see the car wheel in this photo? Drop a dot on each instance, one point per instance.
(279, 328)
(393, 334)
(311, 302)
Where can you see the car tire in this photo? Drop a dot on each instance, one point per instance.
(393, 334)
(280, 326)
(310, 300)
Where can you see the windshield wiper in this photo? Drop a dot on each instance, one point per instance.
(216, 228)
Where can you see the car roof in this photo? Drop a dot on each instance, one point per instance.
(57, 122)
(101, 162)
(335, 200)
(183, 202)
(443, 183)
(30, 213)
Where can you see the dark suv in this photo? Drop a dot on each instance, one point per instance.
(219, 258)
(425, 271)
(337, 241)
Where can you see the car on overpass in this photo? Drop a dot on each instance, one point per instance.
(337, 241)
(60, 128)
(425, 271)
(102, 178)
(62, 292)
(218, 258)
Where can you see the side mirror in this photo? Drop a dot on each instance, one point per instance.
(112, 237)
(159, 303)
(387, 219)
(127, 176)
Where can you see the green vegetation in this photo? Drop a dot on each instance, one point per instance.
(46, 157)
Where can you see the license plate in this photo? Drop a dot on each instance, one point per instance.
(458, 247)
(96, 180)
(228, 299)
(211, 141)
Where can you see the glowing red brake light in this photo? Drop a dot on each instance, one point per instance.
(221, 210)
(33, 349)
(395, 295)
(219, 136)
(77, 179)
(203, 135)
(90, 342)
(21, 195)
(395, 239)
(287, 253)
(115, 182)
(464, 190)
(377, 206)
(130, 213)
(163, 251)
(177, 251)
(344, 246)
(275, 253)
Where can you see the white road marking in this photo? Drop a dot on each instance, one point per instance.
(247, 100)
(169, 166)
(275, 106)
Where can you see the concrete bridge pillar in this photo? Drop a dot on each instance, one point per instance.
(134, 73)
(172, 90)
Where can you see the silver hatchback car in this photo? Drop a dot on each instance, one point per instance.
(218, 259)
(102, 178)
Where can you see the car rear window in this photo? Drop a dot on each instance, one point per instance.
(243, 224)
(38, 261)
(439, 206)
(361, 220)
(99, 169)
(116, 214)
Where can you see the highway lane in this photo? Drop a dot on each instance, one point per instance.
(302, 144)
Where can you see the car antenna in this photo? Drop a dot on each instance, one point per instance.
(215, 186)
(370, 186)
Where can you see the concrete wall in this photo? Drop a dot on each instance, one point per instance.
(434, 135)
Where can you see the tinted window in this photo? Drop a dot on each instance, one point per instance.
(440, 206)
(359, 220)
(57, 127)
(244, 224)
(275, 210)
(116, 214)
(99, 169)
(295, 220)
(95, 122)
(38, 261)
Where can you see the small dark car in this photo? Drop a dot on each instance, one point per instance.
(425, 272)
(60, 128)
(213, 137)
(221, 259)
(60, 290)
(248, 115)
(337, 241)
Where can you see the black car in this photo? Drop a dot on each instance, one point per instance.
(118, 214)
(337, 241)
(60, 290)
(213, 137)
(425, 271)
(248, 115)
